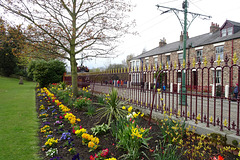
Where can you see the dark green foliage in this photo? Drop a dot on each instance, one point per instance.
(235, 143)
(8, 62)
(31, 67)
(91, 110)
(218, 139)
(166, 151)
(46, 72)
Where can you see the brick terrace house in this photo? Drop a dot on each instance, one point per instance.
(219, 42)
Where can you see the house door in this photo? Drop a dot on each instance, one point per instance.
(195, 79)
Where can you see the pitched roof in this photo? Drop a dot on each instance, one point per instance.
(201, 40)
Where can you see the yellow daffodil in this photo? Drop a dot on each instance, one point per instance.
(130, 109)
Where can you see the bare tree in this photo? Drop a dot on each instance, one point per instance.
(69, 28)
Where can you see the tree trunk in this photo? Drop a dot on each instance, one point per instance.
(74, 75)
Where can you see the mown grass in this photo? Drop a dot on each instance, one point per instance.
(18, 120)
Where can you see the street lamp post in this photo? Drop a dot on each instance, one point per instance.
(185, 27)
(183, 98)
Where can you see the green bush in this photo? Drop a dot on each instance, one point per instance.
(30, 70)
(46, 72)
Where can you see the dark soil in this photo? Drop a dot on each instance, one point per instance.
(87, 122)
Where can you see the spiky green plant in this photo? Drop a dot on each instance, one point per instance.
(112, 108)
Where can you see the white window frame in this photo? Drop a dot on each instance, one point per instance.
(180, 60)
(219, 51)
(137, 64)
(230, 31)
(199, 56)
(146, 62)
(224, 32)
(168, 61)
(217, 76)
(155, 61)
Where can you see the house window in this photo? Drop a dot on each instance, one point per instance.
(137, 64)
(224, 32)
(230, 31)
(168, 59)
(156, 61)
(217, 76)
(219, 52)
(180, 58)
(146, 62)
(199, 55)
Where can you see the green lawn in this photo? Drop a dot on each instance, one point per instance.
(18, 120)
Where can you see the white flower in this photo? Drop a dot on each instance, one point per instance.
(129, 116)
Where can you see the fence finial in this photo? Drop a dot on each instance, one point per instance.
(235, 58)
(219, 60)
(193, 63)
(205, 61)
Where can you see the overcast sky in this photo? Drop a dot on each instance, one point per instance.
(152, 26)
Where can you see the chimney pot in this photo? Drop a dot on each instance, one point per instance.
(214, 27)
(162, 42)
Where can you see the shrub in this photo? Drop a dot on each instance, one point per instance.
(46, 72)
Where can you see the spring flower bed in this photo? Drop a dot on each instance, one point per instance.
(103, 127)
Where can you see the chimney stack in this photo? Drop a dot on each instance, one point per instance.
(182, 36)
(162, 42)
(214, 27)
